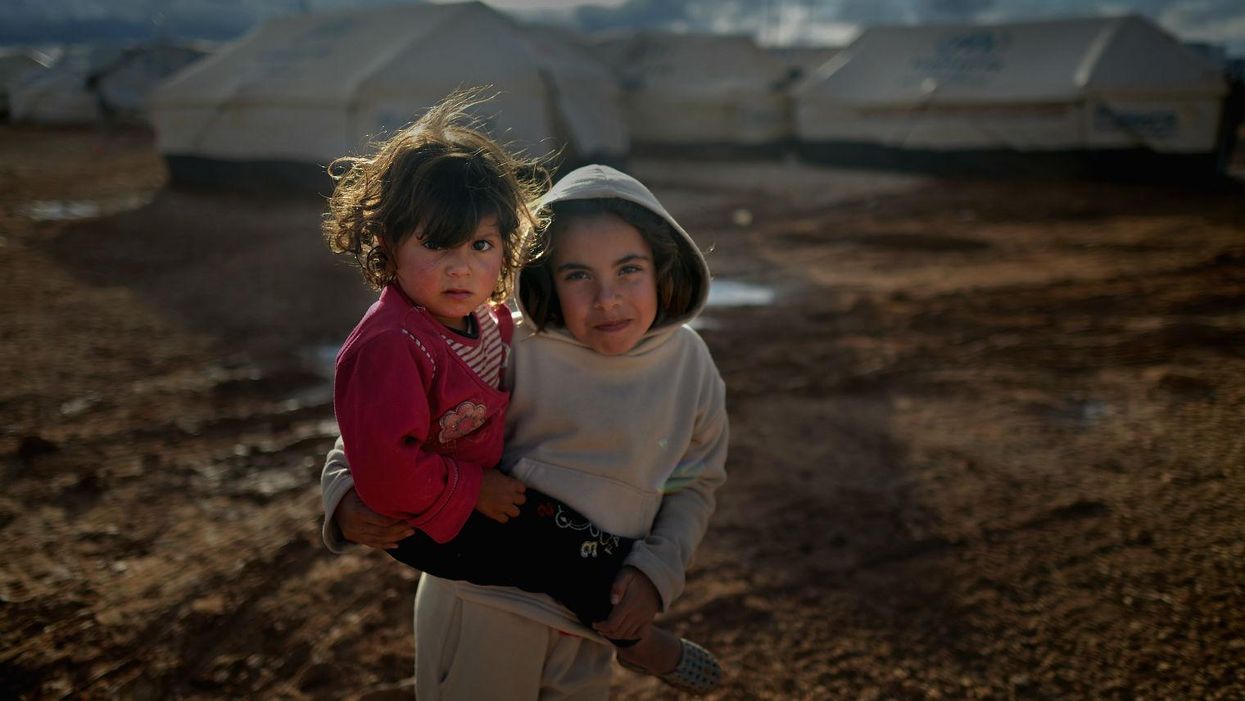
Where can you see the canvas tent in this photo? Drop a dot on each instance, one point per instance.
(303, 90)
(1053, 91)
(122, 85)
(14, 65)
(693, 92)
(59, 95)
(803, 60)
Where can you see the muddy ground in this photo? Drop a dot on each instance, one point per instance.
(988, 439)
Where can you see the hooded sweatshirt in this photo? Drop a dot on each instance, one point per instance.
(636, 442)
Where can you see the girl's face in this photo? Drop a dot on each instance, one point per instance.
(451, 282)
(604, 275)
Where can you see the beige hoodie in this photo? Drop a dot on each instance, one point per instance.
(636, 442)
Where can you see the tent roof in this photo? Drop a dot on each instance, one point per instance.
(697, 63)
(1049, 61)
(151, 56)
(311, 87)
(15, 63)
(328, 57)
(60, 94)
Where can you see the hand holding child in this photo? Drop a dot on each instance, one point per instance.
(361, 525)
(500, 496)
(636, 603)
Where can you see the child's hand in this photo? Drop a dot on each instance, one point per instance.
(636, 603)
(361, 525)
(500, 496)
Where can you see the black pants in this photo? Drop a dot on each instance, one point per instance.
(549, 548)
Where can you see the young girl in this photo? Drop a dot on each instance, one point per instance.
(438, 218)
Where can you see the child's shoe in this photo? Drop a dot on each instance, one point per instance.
(697, 673)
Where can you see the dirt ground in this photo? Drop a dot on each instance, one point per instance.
(988, 440)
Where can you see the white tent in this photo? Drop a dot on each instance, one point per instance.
(59, 95)
(309, 88)
(690, 90)
(14, 65)
(803, 60)
(1097, 85)
(123, 84)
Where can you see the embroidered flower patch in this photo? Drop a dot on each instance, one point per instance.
(464, 419)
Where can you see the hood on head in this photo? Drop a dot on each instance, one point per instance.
(601, 182)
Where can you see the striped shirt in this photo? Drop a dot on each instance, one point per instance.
(486, 353)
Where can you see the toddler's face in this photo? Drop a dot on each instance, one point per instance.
(451, 282)
(603, 272)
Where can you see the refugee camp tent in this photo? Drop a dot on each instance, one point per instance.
(803, 60)
(59, 95)
(560, 35)
(1100, 91)
(303, 90)
(699, 93)
(15, 63)
(122, 85)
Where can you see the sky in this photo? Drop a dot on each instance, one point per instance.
(1220, 22)
(546, 4)
(812, 21)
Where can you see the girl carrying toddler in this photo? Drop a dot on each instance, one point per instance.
(615, 414)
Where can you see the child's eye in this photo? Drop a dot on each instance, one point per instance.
(482, 245)
(576, 275)
(629, 269)
(430, 245)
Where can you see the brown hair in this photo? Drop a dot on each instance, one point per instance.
(439, 175)
(675, 266)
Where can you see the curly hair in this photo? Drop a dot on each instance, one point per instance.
(438, 176)
(675, 267)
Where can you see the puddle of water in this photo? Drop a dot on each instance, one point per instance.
(1083, 413)
(81, 404)
(320, 359)
(1092, 411)
(268, 483)
(728, 293)
(69, 210)
(705, 322)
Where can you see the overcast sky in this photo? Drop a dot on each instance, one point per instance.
(774, 21)
(782, 21)
(545, 4)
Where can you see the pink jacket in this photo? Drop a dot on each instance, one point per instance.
(419, 425)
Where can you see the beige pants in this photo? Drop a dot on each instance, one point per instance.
(465, 651)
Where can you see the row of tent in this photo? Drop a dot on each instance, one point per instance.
(88, 84)
(1117, 89)
(301, 90)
